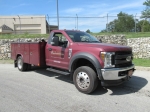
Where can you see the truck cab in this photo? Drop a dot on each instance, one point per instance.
(84, 58)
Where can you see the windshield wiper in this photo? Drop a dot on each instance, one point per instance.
(91, 41)
(86, 41)
(95, 41)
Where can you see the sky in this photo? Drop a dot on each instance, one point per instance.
(98, 9)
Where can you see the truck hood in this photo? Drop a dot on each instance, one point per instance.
(106, 46)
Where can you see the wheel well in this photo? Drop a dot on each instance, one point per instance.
(82, 62)
(18, 56)
(15, 62)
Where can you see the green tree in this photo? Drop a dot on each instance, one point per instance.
(124, 23)
(88, 31)
(112, 26)
(145, 13)
(103, 31)
(143, 25)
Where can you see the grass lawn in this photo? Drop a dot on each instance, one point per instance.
(142, 62)
(9, 61)
(127, 35)
(12, 36)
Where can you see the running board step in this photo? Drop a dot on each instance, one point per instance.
(58, 71)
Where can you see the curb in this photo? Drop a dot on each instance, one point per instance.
(142, 68)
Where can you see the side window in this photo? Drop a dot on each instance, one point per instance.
(50, 38)
(62, 38)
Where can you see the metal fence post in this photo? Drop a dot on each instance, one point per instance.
(20, 23)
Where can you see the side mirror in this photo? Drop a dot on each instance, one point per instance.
(55, 41)
(65, 43)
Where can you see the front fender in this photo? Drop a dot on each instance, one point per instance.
(89, 57)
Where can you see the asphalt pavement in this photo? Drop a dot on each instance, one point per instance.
(39, 90)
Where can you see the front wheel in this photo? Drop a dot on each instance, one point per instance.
(21, 65)
(85, 79)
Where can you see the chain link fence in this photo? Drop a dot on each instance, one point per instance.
(43, 24)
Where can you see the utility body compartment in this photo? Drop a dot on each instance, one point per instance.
(32, 52)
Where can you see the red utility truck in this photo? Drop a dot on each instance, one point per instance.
(79, 55)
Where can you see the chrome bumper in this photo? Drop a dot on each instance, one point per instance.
(113, 73)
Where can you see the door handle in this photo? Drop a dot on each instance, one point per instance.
(50, 49)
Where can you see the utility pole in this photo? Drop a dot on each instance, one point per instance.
(135, 22)
(57, 15)
(77, 21)
(20, 23)
(48, 24)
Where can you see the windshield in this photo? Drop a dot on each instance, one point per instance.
(78, 36)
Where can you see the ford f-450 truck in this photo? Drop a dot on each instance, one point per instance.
(78, 54)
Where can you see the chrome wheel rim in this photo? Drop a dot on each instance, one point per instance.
(19, 63)
(83, 80)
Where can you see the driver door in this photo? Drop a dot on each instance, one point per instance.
(57, 56)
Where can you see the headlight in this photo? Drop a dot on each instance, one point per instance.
(107, 59)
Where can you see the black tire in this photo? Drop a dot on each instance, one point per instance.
(85, 79)
(21, 65)
(28, 67)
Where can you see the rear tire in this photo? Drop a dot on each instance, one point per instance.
(85, 79)
(21, 65)
(28, 67)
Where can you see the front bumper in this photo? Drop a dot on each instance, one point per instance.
(115, 76)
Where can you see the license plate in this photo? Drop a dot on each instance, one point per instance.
(130, 72)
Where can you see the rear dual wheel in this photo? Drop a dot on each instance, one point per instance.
(85, 79)
(21, 65)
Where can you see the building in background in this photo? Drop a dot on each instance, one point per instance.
(5, 29)
(25, 24)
